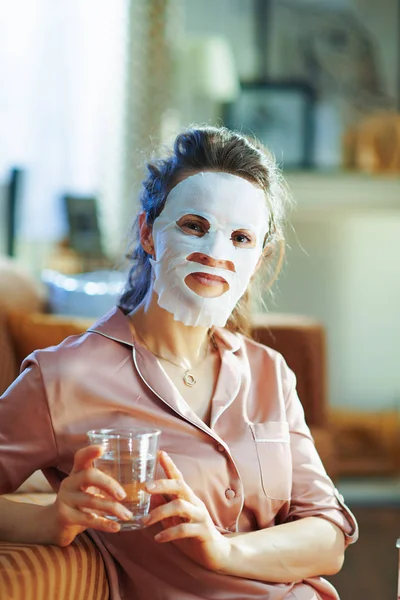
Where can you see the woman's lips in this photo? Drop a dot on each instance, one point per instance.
(207, 279)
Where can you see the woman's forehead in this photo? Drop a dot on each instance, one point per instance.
(217, 196)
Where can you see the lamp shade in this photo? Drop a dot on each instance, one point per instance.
(210, 68)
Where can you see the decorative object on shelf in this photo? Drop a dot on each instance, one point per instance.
(82, 249)
(83, 295)
(330, 46)
(10, 206)
(373, 145)
(83, 225)
(339, 51)
(68, 261)
(281, 115)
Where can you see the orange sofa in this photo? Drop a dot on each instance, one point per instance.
(77, 572)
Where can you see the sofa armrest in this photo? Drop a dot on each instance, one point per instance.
(325, 445)
(38, 571)
(301, 341)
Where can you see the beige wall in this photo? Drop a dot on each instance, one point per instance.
(343, 268)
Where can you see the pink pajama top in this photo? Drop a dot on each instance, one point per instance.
(256, 466)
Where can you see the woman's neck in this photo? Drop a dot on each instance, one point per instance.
(166, 337)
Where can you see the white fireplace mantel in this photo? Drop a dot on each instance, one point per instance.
(343, 267)
(320, 191)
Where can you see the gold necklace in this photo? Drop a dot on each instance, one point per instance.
(188, 377)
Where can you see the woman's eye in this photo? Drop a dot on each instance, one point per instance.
(194, 227)
(242, 239)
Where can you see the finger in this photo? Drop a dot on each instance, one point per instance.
(170, 468)
(180, 532)
(93, 477)
(155, 502)
(96, 492)
(83, 501)
(171, 487)
(102, 523)
(72, 517)
(84, 457)
(176, 508)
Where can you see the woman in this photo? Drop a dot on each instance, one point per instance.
(242, 505)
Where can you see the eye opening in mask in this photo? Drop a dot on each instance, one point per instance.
(192, 224)
(249, 239)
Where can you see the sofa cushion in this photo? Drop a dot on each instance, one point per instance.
(8, 362)
(19, 289)
(32, 331)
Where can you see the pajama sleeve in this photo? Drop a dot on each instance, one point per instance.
(27, 441)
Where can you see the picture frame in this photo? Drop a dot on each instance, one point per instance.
(84, 234)
(280, 114)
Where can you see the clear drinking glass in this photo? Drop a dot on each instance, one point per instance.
(130, 457)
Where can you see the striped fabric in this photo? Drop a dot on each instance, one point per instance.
(38, 572)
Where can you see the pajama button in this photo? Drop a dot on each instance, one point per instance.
(220, 448)
(230, 494)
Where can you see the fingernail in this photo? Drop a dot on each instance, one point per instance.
(121, 494)
(151, 485)
(158, 537)
(115, 526)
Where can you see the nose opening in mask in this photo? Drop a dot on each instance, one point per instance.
(209, 261)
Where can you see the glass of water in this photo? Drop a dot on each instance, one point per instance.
(130, 457)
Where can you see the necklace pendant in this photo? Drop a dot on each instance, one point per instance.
(189, 379)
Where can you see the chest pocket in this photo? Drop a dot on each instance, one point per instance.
(272, 441)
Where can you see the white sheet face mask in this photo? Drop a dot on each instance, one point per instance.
(233, 223)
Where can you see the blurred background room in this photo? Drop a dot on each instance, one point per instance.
(90, 88)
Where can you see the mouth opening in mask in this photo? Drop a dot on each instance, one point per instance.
(206, 284)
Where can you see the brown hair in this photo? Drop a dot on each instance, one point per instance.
(209, 149)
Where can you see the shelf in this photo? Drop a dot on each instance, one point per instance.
(343, 190)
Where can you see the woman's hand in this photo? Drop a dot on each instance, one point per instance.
(185, 519)
(83, 499)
